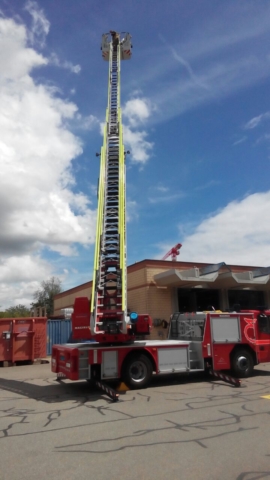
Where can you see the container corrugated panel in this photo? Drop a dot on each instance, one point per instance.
(58, 332)
(40, 328)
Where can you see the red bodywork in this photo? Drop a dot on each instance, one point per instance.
(254, 335)
(81, 326)
(65, 360)
(251, 337)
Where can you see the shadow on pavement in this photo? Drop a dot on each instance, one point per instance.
(80, 391)
(61, 391)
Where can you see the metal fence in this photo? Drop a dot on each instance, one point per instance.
(58, 332)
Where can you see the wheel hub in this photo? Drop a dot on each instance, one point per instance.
(138, 371)
(242, 363)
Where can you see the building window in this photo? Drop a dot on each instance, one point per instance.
(246, 299)
(197, 299)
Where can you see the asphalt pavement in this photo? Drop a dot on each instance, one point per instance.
(181, 427)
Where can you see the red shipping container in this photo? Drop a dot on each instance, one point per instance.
(22, 339)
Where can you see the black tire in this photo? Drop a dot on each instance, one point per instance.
(137, 371)
(242, 363)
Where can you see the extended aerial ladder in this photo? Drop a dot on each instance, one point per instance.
(108, 301)
(106, 319)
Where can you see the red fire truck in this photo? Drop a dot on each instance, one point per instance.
(196, 342)
(108, 338)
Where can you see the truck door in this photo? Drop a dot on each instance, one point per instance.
(225, 333)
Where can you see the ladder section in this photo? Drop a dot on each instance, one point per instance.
(108, 303)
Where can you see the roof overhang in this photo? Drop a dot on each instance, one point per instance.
(212, 278)
(181, 278)
(242, 280)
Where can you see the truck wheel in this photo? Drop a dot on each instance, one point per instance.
(242, 363)
(137, 371)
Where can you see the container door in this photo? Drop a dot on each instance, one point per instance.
(23, 340)
(5, 340)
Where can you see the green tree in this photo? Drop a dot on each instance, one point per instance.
(16, 312)
(45, 295)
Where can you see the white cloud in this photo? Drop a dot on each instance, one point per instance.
(185, 64)
(137, 110)
(132, 210)
(38, 32)
(210, 184)
(166, 198)
(54, 60)
(88, 122)
(219, 55)
(238, 234)
(263, 138)
(231, 26)
(240, 140)
(25, 270)
(40, 25)
(38, 208)
(162, 194)
(254, 122)
(20, 278)
(16, 59)
(139, 146)
(222, 78)
(161, 188)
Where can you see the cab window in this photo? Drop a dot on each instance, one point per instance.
(264, 323)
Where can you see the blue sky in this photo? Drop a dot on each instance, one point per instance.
(196, 114)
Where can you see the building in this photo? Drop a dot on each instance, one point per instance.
(159, 287)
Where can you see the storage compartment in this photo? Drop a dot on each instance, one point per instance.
(225, 329)
(173, 359)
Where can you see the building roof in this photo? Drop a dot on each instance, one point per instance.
(197, 274)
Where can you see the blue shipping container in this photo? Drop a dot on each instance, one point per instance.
(58, 332)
